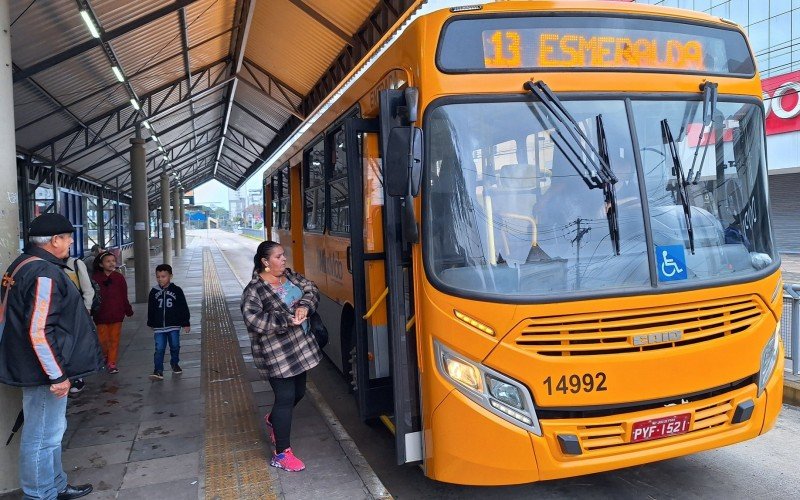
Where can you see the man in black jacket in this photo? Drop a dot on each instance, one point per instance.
(47, 339)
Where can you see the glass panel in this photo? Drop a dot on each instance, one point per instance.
(738, 12)
(273, 186)
(109, 223)
(125, 223)
(339, 155)
(777, 7)
(339, 195)
(757, 10)
(721, 10)
(43, 201)
(373, 192)
(702, 5)
(759, 38)
(780, 31)
(285, 202)
(315, 209)
(315, 159)
(502, 227)
(725, 170)
(314, 182)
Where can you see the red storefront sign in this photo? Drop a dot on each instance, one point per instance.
(782, 103)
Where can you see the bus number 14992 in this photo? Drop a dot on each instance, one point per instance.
(576, 383)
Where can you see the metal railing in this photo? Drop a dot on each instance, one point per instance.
(790, 325)
(255, 233)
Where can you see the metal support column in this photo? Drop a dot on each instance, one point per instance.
(176, 215)
(182, 218)
(25, 199)
(166, 221)
(139, 220)
(56, 197)
(101, 215)
(10, 398)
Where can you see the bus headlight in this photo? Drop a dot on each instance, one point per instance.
(492, 390)
(504, 392)
(462, 371)
(769, 358)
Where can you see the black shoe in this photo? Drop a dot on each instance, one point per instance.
(75, 491)
(157, 375)
(176, 368)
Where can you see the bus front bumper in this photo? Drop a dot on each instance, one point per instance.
(469, 445)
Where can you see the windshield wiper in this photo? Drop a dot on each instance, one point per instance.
(709, 107)
(677, 171)
(598, 169)
(596, 175)
(608, 188)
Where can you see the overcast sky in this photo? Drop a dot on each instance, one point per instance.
(213, 192)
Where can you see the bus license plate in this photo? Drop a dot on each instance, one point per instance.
(657, 428)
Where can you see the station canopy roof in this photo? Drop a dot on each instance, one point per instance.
(219, 84)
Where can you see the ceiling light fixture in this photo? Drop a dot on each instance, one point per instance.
(90, 24)
(135, 104)
(118, 74)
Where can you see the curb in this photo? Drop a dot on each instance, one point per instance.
(374, 485)
(791, 392)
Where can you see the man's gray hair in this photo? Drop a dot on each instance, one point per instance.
(40, 241)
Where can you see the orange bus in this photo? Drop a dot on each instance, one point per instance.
(541, 230)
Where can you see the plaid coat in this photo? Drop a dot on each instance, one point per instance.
(280, 349)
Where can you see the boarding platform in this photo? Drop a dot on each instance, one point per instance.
(200, 434)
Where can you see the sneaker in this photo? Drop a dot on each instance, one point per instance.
(77, 386)
(287, 461)
(270, 428)
(157, 375)
(112, 368)
(176, 368)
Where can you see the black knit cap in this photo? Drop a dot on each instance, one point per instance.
(50, 224)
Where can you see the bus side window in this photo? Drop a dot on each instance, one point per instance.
(339, 195)
(273, 193)
(314, 188)
(285, 199)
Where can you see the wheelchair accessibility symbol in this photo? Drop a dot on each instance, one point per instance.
(671, 261)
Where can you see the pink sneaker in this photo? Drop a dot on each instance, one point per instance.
(287, 461)
(112, 368)
(270, 429)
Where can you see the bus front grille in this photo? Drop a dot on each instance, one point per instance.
(599, 437)
(614, 332)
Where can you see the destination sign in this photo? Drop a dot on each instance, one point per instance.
(591, 42)
(543, 49)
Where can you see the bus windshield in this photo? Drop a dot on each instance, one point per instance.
(508, 210)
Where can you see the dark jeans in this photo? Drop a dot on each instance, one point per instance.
(172, 337)
(288, 392)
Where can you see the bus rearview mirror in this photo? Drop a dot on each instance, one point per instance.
(403, 172)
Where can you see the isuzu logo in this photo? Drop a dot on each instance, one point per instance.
(656, 338)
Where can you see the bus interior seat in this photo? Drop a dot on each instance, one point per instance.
(513, 196)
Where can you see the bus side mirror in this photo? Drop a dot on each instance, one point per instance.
(403, 172)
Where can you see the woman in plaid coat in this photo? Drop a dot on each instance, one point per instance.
(276, 305)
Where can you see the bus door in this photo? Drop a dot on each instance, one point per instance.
(385, 364)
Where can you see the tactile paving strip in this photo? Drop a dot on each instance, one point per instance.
(235, 459)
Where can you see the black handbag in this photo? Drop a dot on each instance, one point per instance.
(317, 327)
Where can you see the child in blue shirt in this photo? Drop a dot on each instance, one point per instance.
(167, 313)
